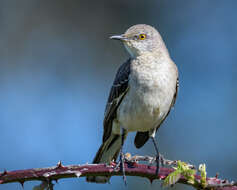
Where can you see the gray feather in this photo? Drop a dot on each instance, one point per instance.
(142, 137)
(117, 92)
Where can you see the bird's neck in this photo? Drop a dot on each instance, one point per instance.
(158, 54)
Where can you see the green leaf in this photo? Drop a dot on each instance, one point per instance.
(187, 172)
(202, 169)
(181, 170)
(172, 178)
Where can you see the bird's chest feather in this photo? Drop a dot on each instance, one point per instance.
(151, 88)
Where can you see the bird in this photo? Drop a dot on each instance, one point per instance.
(141, 97)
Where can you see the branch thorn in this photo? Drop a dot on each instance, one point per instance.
(4, 173)
(22, 184)
(151, 180)
(59, 164)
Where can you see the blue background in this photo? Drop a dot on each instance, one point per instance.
(57, 65)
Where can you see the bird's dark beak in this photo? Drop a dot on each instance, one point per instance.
(119, 37)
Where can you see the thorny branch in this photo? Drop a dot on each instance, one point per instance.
(132, 168)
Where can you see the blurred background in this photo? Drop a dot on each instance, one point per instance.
(57, 65)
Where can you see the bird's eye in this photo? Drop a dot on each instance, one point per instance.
(142, 36)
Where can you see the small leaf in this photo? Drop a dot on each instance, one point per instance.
(181, 170)
(172, 178)
(202, 170)
(187, 172)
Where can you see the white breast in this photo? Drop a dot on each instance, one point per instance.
(152, 86)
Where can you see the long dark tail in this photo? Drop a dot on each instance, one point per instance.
(107, 152)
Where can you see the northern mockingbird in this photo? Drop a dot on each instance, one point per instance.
(143, 92)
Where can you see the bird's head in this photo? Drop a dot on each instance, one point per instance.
(140, 39)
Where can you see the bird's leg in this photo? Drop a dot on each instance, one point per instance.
(157, 155)
(121, 157)
(162, 159)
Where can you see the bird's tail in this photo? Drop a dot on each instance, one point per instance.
(107, 152)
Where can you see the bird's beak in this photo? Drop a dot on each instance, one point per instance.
(119, 37)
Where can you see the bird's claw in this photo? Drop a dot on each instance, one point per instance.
(159, 160)
(157, 164)
(120, 165)
(162, 160)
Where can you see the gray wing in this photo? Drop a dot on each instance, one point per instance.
(117, 92)
(142, 137)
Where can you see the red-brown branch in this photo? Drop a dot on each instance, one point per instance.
(142, 170)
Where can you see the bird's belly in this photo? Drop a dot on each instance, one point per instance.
(140, 113)
(148, 100)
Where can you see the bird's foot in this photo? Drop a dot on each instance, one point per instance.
(159, 159)
(162, 160)
(157, 164)
(120, 165)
